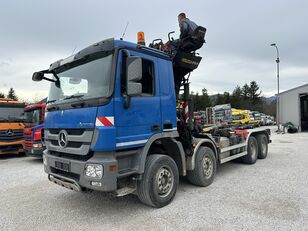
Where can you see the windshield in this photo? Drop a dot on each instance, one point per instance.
(238, 117)
(89, 80)
(34, 116)
(257, 116)
(11, 114)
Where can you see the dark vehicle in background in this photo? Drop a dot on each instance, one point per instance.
(34, 121)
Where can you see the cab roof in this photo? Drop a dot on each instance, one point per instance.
(107, 45)
(35, 106)
(11, 101)
(6, 102)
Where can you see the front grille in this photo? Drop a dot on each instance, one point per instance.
(65, 174)
(27, 133)
(76, 132)
(77, 141)
(72, 156)
(28, 144)
(11, 135)
(70, 144)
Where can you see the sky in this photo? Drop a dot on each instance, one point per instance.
(35, 33)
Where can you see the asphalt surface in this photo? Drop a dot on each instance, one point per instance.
(269, 195)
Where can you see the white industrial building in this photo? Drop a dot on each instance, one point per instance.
(293, 107)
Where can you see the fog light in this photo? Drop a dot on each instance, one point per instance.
(95, 183)
(94, 170)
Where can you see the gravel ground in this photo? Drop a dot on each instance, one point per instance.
(269, 195)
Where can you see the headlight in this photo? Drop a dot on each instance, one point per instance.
(37, 145)
(94, 170)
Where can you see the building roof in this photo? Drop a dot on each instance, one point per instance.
(292, 89)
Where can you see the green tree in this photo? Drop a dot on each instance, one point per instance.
(236, 97)
(205, 99)
(219, 99)
(12, 94)
(226, 98)
(253, 91)
(2, 95)
(245, 91)
(196, 101)
(255, 96)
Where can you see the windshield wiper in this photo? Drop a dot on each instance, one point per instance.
(78, 104)
(73, 97)
(51, 101)
(15, 119)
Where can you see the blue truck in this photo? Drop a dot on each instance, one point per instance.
(112, 123)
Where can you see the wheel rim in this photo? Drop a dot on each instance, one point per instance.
(207, 165)
(165, 181)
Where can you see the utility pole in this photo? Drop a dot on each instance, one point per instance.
(277, 100)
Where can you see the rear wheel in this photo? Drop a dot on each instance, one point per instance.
(252, 151)
(262, 146)
(205, 168)
(159, 182)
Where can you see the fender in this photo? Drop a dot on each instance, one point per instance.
(191, 159)
(259, 131)
(145, 150)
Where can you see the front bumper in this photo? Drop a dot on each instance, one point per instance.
(70, 172)
(34, 152)
(11, 147)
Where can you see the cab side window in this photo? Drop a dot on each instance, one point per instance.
(147, 80)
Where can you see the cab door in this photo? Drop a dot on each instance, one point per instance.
(142, 119)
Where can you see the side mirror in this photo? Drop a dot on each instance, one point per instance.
(133, 76)
(37, 76)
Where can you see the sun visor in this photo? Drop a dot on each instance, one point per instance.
(102, 46)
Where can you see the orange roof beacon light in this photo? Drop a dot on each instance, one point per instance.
(140, 37)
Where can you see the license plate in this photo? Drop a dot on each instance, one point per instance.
(62, 166)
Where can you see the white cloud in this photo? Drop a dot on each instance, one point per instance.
(237, 49)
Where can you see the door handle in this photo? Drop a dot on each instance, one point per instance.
(155, 127)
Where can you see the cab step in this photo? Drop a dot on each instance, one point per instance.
(125, 191)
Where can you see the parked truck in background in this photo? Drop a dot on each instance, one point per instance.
(240, 116)
(33, 132)
(11, 126)
(255, 118)
(111, 124)
(218, 115)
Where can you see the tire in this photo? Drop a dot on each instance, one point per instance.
(252, 151)
(153, 189)
(262, 146)
(205, 168)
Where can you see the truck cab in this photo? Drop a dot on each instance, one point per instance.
(112, 124)
(240, 116)
(34, 127)
(11, 126)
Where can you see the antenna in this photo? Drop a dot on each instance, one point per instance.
(124, 31)
(74, 49)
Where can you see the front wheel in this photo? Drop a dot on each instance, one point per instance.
(252, 151)
(205, 167)
(159, 182)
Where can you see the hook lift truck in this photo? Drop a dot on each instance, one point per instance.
(112, 124)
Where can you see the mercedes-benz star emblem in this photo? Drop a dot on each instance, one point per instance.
(62, 139)
(9, 132)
